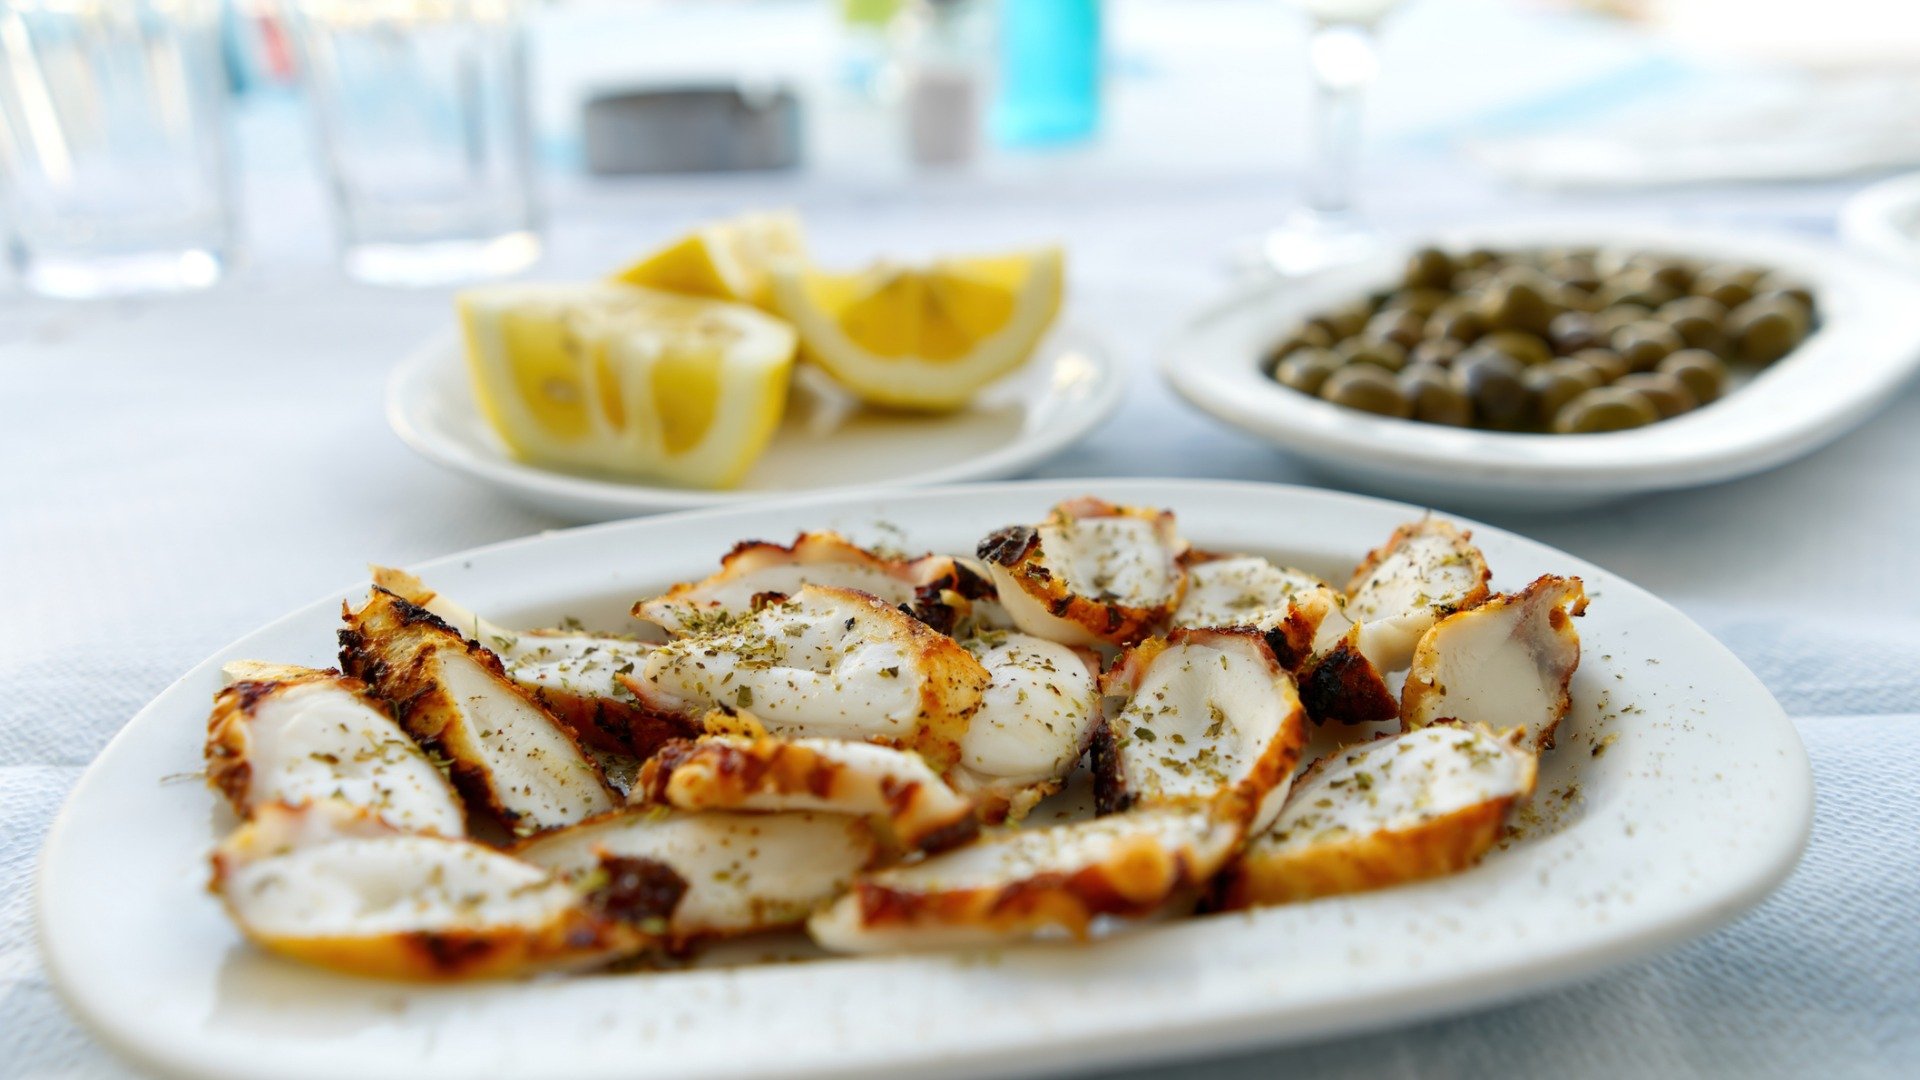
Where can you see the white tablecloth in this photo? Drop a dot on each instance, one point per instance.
(178, 471)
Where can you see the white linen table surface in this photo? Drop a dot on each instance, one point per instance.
(178, 471)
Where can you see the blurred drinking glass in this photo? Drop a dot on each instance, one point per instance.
(422, 112)
(1050, 70)
(114, 170)
(1326, 230)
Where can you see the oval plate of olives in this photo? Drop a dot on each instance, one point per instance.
(1549, 367)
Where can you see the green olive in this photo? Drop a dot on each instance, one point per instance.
(1636, 286)
(1455, 325)
(1342, 322)
(1572, 331)
(1522, 346)
(1788, 297)
(1644, 344)
(1312, 335)
(1564, 338)
(1704, 373)
(1744, 274)
(1518, 299)
(1398, 325)
(1472, 282)
(1307, 369)
(1494, 382)
(1349, 319)
(1606, 408)
(1430, 268)
(1368, 388)
(1475, 258)
(1436, 351)
(1766, 330)
(1609, 319)
(1667, 392)
(1697, 319)
(1422, 302)
(1575, 272)
(1670, 273)
(1728, 284)
(1281, 350)
(1435, 398)
(1381, 354)
(1778, 283)
(1604, 362)
(1556, 383)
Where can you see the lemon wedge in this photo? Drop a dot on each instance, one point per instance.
(923, 338)
(726, 260)
(614, 378)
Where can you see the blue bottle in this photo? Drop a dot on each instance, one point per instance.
(1050, 64)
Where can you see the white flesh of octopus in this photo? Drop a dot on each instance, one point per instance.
(744, 872)
(734, 772)
(1036, 716)
(522, 761)
(756, 569)
(1427, 570)
(1240, 590)
(1211, 720)
(1102, 559)
(1508, 662)
(1397, 809)
(327, 885)
(573, 662)
(1021, 882)
(827, 662)
(304, 735)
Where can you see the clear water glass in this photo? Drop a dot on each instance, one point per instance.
(1327, 229)
(422, 112)
(114, 149)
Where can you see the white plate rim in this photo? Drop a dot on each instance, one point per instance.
(1247, 1027)
(608, 499)
(1867, 220)
(1727, 440)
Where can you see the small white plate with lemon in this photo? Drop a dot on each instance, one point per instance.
(724, 368)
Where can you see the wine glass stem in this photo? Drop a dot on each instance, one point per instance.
(1344, 61)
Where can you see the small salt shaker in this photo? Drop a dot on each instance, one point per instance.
(941, 45)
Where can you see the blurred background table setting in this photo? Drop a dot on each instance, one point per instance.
(236, 229)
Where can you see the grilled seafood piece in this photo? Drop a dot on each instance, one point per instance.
(743, 872)
(1091, 573)
(1508, 662)
(1035, 720)
(1427, 570)
(334, 886)
(1399, 809)
(1300, 615)
(827, 662)
(1018, 883)
(1211, 720)
(1305, 623)
(573, 674)
(292, 735)
(1341, 684)
(933, 587)
(738, 772)
(508, 754)
(1239, 590)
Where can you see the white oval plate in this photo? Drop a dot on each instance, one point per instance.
(1884, 220)
(1071, 386)
(1678, 797)
(1867, 345)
